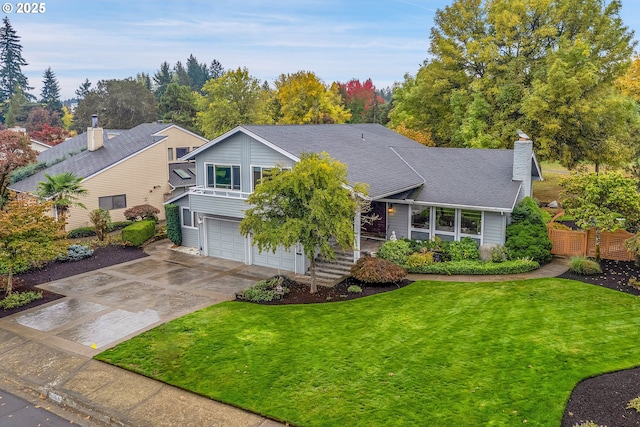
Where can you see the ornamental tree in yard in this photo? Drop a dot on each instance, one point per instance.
(604, 201)
(63, 190)
(15, 152)
(309, 204)
(27, 234)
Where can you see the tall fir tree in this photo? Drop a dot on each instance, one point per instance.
(83, 89)
(161, 79)
(11, 63)
(50, 94)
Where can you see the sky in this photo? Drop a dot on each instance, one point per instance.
(338, 40)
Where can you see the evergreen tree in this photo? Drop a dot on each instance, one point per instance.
(198, 73)
(180, 75)
(50, 94)
(161, 79)
(144, 79)
(215, 69)
(11, 63)
(83, 89)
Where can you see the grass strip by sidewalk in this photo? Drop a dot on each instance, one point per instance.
(432, 353)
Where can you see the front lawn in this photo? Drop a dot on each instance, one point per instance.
(431, 353)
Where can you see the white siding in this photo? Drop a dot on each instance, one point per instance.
(218, 205)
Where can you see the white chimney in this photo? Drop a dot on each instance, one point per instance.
(95, 137)
(522, 160)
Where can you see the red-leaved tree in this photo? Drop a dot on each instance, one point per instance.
(362, 100)
(52, 135)
(15, 152)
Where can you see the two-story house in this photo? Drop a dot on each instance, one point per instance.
(418, 192)
(121, 168)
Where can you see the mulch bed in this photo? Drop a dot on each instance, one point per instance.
(102, 257)
(603, 399)
(299, 293)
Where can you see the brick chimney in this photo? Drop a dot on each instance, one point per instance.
(95, 137)
(522, 161)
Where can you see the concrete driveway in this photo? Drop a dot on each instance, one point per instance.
(107, 306)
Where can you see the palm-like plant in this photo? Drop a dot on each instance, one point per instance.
(63, 190)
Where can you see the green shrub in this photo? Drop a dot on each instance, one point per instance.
(75, 253)
(499, 254)
(139, 232)
(101, 220)
(419, 259)
(467, 248)
(18, 299)
(174, 230)
(471, 267)
(354, 289)
(77, 233)
(142, 212)
(584, 266)
(377, 270)
(396, 251)
(527, 235)
(265, 290)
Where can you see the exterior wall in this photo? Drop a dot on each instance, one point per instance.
(189, 234)
(220, 206)
(494, 227)
(178, 138)
(143, 178)
(398, 221)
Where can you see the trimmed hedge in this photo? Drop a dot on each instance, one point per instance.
(139, 232)
(90, 231)
(469, 267)
(174, 227)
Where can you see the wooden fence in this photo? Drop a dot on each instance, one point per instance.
(583, 243)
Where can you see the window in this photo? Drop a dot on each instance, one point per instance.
(170, 154)
(260, 172)
(445, 219)
(113, 202)
(421, 218)
(189, 218)
(182, 151)
(470, 222)
(223, 176)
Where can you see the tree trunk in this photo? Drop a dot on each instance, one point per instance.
(313, 287)
(9, 289)
(597, 245)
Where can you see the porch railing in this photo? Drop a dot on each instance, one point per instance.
(218, 192)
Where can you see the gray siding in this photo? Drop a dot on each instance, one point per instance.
(398, 221)
(494, 226)
(240, 149)
(189, 235)
(218, 205)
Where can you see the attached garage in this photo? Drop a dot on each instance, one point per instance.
(284, 259)
(224, 239)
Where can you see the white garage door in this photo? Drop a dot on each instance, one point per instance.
(224, 239)
(283, 259)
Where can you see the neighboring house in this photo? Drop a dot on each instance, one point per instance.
(35, 145)
(120, 168)
(39, 146)
(417, 191)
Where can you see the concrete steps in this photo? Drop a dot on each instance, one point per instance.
(333, 270)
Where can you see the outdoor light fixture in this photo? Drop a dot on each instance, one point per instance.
(391, 209)
(200, 220)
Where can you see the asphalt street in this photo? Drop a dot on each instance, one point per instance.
(17, 412)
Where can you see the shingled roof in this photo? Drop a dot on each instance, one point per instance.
(86, 163)
(392, 164)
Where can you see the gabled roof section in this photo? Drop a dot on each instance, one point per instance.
(476, 178)
(86, 163)
(364, 148)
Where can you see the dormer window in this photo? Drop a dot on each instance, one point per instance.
(223, 176)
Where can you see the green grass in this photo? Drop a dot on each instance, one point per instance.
(432, 353)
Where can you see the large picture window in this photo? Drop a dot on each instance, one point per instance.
(223, 176)
(470, 222)
(113, 202)
(445, 219)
